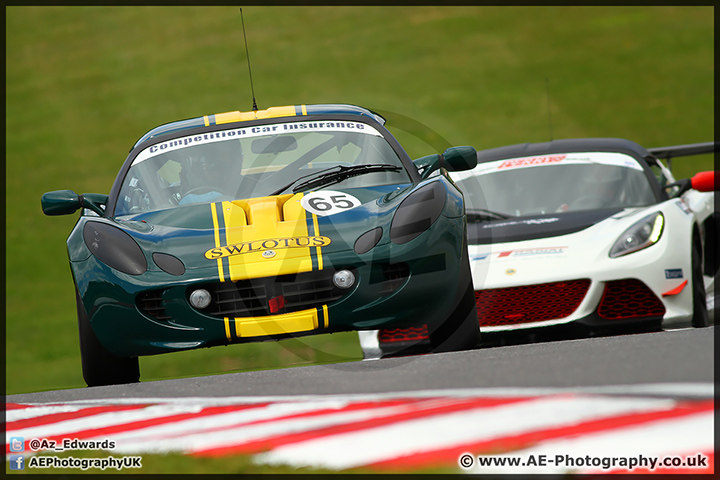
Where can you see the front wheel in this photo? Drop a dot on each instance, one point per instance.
(461, 330)
(99, 366)
(700, 313)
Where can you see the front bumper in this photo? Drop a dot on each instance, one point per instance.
(569, 285)
(395, 285)
(594, 305)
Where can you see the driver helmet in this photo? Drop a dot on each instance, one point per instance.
(213, 165)
(603, 184)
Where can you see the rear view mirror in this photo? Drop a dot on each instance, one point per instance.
(273, 145)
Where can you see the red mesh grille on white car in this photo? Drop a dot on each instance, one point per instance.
(529, 303)
(629, 298)
(403, 334)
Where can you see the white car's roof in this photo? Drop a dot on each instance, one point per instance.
(566, 146)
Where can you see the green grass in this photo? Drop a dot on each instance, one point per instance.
(83, 83)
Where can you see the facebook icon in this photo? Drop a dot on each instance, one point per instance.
(17, 462)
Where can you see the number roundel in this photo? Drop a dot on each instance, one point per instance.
(328, 202)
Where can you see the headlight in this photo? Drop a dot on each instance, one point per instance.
(644, 233)
(169, 263)
(368, 240)
(114, 248)
(417, 213)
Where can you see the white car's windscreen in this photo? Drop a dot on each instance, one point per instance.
(252, 162)
(555, 184)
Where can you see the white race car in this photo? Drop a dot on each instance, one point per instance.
(590, 231)
(584, 235)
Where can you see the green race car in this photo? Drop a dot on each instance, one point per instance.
(249, 226)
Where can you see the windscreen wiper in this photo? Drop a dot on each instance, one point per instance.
(484, 213)
(335, 174)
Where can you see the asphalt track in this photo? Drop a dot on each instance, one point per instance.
(610, 364)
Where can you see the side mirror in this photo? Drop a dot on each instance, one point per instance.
(454, 159)
(458, 159)
(702, 182)
(65, 202)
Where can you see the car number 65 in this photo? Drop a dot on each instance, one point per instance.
(328, 202)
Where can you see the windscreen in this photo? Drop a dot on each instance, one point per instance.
(252, 162)
(555, 184)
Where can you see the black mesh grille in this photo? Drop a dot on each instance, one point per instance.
(152, 303)
(394, 275)
(229, 299)
(271, 296)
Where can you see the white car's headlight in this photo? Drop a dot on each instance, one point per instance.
(644, 233)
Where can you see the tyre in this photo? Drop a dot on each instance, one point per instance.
(99, 366)
(458, 331)
(700, 313)
(461, 330)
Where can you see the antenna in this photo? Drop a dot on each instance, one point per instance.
(547, 93)
(247, 54)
